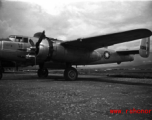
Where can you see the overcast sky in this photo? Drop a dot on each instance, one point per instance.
(71, 19)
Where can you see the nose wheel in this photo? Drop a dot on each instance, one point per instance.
(42, 73)
(70, 73)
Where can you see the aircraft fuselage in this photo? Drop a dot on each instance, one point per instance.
(19, 51)
(85, 57)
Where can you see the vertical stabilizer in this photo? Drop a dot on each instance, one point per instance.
(144, 50)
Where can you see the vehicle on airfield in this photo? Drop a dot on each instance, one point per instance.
(49, 52)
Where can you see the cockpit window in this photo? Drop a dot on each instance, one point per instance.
(12, 38)
(18, 39)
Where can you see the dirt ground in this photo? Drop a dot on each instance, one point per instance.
(25, 97)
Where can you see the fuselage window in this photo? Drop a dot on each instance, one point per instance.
(25, 40)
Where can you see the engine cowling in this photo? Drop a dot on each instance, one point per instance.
(144, 50)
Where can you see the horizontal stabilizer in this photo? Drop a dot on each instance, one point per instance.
(144, 49)
(128, 52)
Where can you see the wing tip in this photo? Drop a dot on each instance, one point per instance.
(146, 31)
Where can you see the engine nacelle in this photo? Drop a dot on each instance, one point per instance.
(144, 50)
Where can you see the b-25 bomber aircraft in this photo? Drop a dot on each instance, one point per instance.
(49, 52)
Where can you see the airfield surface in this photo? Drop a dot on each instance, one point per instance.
(25, 97)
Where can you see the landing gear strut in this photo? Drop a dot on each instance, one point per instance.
(42, 72)
(70, 73)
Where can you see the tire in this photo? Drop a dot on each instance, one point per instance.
(70, 74)
(42, 73)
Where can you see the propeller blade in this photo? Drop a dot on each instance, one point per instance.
(39, 41)
(41, 38)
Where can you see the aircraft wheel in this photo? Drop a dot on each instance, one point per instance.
(42, 73)
(70, 74)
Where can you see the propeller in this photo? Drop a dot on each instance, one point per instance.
(33, 51)
(41, 37)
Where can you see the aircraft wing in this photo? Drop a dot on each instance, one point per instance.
(95, 42)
